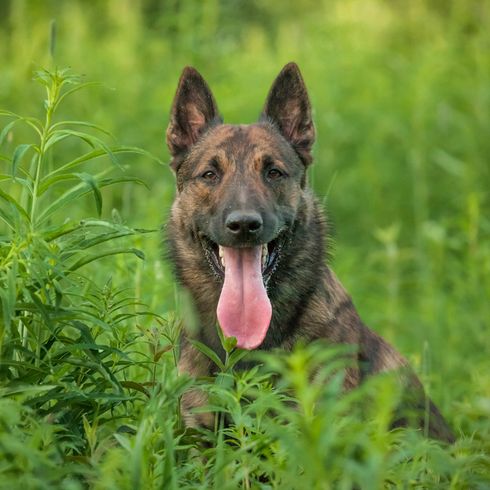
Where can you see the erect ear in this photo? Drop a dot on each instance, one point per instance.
(193, 111)
(288, 107)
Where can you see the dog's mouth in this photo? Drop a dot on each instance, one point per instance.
(244, 310)
(269, 256)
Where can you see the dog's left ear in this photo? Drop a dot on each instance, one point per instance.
(288, 107)
(193, 111)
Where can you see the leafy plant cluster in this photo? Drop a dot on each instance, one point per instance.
(63, 369)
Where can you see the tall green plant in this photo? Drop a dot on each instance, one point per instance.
(60, 333)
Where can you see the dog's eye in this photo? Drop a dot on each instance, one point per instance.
(274, 174)
(210, 176)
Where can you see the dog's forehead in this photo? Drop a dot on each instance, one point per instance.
(239, 140)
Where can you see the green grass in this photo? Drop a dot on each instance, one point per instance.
(90, 313)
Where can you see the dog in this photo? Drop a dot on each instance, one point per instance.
(247, 239)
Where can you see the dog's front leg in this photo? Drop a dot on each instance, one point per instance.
(196, 365)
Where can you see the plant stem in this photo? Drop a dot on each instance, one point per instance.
(53, 93)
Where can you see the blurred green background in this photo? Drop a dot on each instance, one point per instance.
(401, 96)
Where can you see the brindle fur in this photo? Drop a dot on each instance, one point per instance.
(308, 300)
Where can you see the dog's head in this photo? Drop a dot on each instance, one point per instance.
(240, 188)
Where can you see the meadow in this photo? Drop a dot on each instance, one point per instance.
(90, 314)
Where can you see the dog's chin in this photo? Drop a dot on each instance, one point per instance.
(271, 255)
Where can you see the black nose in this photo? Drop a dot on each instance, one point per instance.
(244, 223)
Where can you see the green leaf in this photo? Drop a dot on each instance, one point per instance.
(22, 366)
(94, 347)
(209, 353)
(84, 124)
(24, 182)
(44, 77)
(224, 380)
(30, 390)
(229, 344)
(79, 191)
(30, 121)
(9, 221)
(87, 260)
(135, 386)
(42, 309)
(169, 471)
(112, 226)
(47, 183)
(54, 138)
(19, 153)
(75, 89)
(70, 195)
(78, 161)
(85, 225)
(19, 208)
(100, 153)
(121, 180)
(65, 133)
(236, 356)
(8, 113)
(6, 130)
(53, 178)
(92, 183)
(60, 230)
(84, 244)
(61, 134)
(8, 295)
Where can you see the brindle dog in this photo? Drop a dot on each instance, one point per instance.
(248, 238)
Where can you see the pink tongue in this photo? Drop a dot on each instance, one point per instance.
(244, 310)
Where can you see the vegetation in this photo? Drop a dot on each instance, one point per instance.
(89, 313)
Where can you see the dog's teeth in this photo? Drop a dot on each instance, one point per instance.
(221, 256)
(264, 255)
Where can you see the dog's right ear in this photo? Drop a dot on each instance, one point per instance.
(193, 111)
